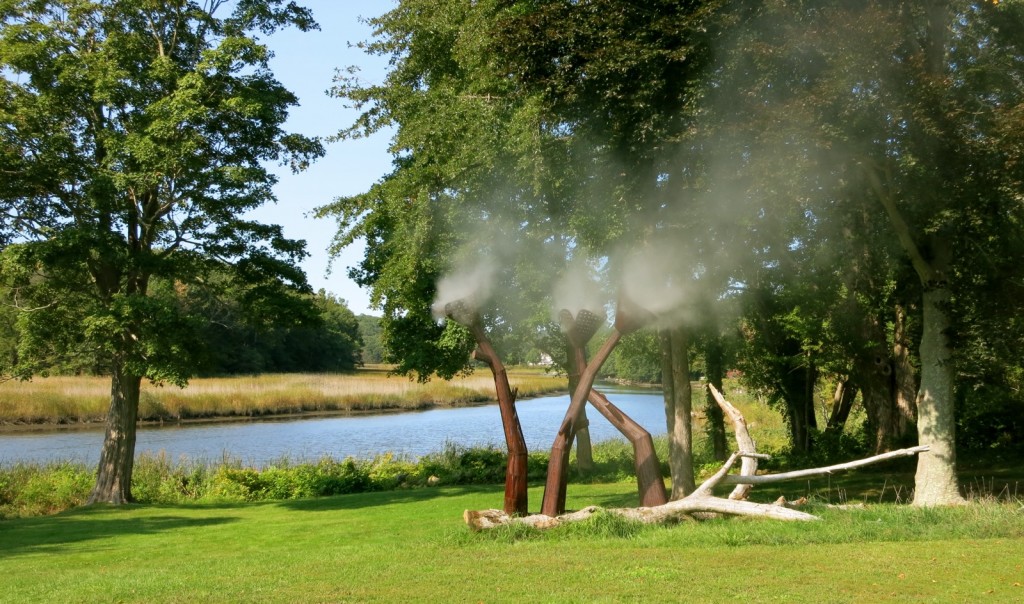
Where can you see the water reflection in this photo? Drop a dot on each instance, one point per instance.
(413, 434)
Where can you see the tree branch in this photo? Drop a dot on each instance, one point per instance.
(769, 478)
(743, 441)
(924, 269)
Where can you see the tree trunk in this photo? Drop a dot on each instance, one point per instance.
(715, 420)
(842, 403)
(935, 482)
(744, 442)
(904, 373)
(798, 383)
(877, 387)
(117, 458)
(678, 407)
(875, 376)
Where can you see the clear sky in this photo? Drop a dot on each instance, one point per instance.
(305, 63)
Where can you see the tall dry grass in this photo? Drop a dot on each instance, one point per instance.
(84, 399)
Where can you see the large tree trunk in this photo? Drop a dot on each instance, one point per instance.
(715, 420)
(117, 458)
(678, 407)
(842, 403)
(877, 385)
(935, 482)
(904, 373)
(876, 377)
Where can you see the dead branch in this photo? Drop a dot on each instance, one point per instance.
(718, 477)
(743, 441)
(769, 478)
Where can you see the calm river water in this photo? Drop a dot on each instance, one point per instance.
(413, 434)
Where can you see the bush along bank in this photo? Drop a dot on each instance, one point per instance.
(40, 489)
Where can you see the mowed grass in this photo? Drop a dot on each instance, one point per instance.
(411, 546)
(76, 399)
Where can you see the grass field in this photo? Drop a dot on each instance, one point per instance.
(85, 399)
(411, 546)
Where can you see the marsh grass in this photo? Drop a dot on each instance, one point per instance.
(63, 399)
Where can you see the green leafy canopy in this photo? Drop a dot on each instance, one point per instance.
(135, 135)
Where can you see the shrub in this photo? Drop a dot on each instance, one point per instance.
(989, 420)
(387, 472)
(32, 490)
(157, 480)
(537, 465)
(331, 477)
(238, 484)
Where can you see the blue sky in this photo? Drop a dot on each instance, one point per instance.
(305, 63)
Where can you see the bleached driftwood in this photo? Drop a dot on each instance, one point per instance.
(701, 501)
(673, 511)
(748, 467)
(859, 463)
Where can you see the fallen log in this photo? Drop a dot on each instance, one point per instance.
(682, 509)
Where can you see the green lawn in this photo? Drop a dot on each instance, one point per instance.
(412, 546)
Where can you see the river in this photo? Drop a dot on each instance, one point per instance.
(413, 434)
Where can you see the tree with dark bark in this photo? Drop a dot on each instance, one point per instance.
(135, 136)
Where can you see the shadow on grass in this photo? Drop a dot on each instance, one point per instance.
(356, 501)
(842, 488)
(867, 486)
(612, 500)
(491, 496)
(52, 534)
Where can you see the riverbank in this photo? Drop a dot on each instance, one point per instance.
(82, 401)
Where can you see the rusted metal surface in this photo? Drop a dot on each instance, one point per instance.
(650, 484)
(516, 497)
(580, 329)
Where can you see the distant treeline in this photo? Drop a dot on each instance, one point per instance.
(234, 336)
(329, 340)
